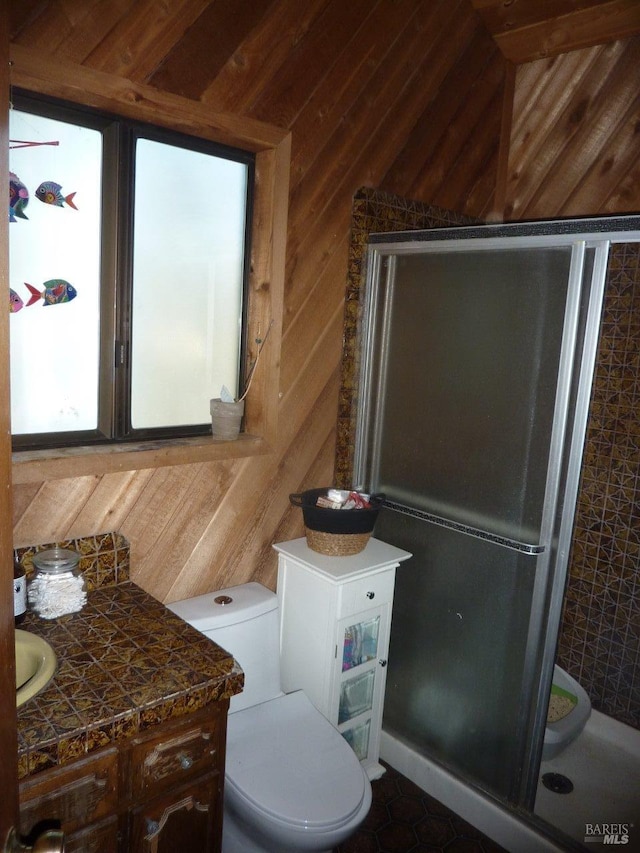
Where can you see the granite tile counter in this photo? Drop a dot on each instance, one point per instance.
(125, 663)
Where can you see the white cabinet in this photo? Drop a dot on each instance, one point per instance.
(334, 636)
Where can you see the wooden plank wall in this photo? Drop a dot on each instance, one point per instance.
(403, 95)
(380, 93)
(575, 145)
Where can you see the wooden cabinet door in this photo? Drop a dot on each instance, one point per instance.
(186, 819)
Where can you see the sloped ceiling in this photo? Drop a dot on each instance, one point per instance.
(526, 30)
(139, 39)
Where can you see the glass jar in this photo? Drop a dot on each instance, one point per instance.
(19, 592)
(57, 586)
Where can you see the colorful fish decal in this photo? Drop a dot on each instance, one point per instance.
(56, 291)
(15, 302)
(18, 198)
(51, 193)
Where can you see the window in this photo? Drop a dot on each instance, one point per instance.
(134, 239)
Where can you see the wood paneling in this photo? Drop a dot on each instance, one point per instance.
(575, 146)
(404, 95)
(530, 29)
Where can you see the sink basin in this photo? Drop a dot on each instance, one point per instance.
(35, 665)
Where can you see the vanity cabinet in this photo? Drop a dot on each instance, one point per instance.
(157, 792)
(334, 636)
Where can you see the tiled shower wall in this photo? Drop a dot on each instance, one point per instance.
(599, 642)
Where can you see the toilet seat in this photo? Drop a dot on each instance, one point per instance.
(288, 763)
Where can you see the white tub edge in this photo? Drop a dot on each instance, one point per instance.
(615, 733)
(487, 816)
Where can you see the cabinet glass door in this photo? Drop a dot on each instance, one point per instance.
(356, 696)
(359, 691)
(358, 739)
(360, 643)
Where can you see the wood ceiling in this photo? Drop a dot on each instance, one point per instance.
(526, 30)
(143, 37)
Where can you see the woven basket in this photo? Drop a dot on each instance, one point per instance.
(334, 532)
(336, 544)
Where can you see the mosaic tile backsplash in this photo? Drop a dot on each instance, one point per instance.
(104, 558)
(599, 641)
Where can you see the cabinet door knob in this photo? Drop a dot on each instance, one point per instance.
(371, 595)
(48, 841)
(382, 662)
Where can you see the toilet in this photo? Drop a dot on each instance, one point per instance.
(292, 783)
(560, 732)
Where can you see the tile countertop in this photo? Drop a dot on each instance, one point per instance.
(125, 663)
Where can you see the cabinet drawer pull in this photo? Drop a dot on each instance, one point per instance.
(155, 827)
(186, 762)
(371, 595)
(160, 761)
(382, 662)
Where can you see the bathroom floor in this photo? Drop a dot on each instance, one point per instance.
(404, 819)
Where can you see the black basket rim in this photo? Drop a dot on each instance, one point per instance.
(327, 520)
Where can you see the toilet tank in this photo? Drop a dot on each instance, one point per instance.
(243, 620)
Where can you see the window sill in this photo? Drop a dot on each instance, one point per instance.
(36, 466)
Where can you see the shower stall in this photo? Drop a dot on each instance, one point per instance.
(478, 348)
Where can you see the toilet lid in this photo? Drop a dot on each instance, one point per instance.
(290, 763)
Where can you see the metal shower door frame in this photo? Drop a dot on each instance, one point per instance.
(575, 375)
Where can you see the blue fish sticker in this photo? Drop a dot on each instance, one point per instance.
(51, 193)
(18, 198)
(56, 291)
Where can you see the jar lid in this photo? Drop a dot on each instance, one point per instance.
(56, 560)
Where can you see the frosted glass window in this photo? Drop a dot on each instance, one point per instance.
(54, 238)
(187, 282)
(128, 275)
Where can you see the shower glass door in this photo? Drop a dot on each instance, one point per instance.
(473, 358)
